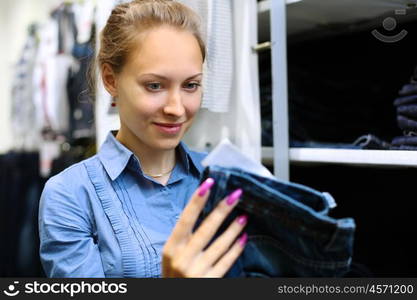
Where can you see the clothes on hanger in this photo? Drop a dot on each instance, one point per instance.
(45, 116)
(217, 24)
(241, 122)
(25, 124)
(81, 119)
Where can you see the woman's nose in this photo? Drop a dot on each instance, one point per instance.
(174, 105)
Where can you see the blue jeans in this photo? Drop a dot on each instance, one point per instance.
(289, 231)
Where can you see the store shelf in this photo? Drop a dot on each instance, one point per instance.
(264, 8)
(395, 158)
(265, 5)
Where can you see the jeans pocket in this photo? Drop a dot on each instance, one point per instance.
(263, 257)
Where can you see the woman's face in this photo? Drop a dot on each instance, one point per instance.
(158, 89)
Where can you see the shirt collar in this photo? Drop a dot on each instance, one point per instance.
(193, 157)
(115, 156)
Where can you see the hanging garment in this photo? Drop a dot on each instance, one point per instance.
(49, 80)
(217, 21)
(241, 123)
(67, 31)
(84, 20)
(25, 125)
(289, 231)
(81, 105)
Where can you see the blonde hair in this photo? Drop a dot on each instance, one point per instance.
(127, 21)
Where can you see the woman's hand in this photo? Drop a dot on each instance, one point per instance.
(183, 254)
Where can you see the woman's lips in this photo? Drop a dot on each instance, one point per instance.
(169, 128)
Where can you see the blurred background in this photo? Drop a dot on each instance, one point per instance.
(41, 62)
(332, 105)
(16, 17)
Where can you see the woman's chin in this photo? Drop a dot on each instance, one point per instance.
(166, 144)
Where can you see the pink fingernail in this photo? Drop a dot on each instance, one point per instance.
(242, 219)
(243, 239)
(233, 197)
(205, 186)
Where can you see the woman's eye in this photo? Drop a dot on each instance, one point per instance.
(153, 86)
(192, 85)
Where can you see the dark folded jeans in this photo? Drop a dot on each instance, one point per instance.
(406, 123)
(404, 143)
(408, 110)
(405, 140)
(366, 141)
(408, 89)
(289, 231)
(405, 100)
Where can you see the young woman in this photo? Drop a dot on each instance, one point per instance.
(129, 211)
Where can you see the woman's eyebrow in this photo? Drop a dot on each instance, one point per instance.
(165, 78)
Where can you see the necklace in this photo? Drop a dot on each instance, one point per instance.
(160, 175)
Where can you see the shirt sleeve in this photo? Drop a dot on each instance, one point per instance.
(67, 245)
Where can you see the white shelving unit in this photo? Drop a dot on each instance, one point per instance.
(302, 16)
(382, 158)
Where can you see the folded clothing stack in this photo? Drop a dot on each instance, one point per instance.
(406, 105)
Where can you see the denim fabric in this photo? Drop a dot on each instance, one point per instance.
(408, 110)
(406, 142)
(404, 147)
(289, 231)
(408, 89)
(410, 140)
(406, 123)
(313, 144)
(405, 100)
(366, 141)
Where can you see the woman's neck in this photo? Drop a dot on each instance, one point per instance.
(152, 161)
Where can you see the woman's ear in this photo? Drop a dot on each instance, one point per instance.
(109, 79)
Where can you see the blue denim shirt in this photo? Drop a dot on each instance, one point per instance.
(103, 217)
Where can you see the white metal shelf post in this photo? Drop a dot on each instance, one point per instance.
(279, 89)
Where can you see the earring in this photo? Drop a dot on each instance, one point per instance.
(113, 102)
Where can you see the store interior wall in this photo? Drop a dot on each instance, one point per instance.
(15, 17)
